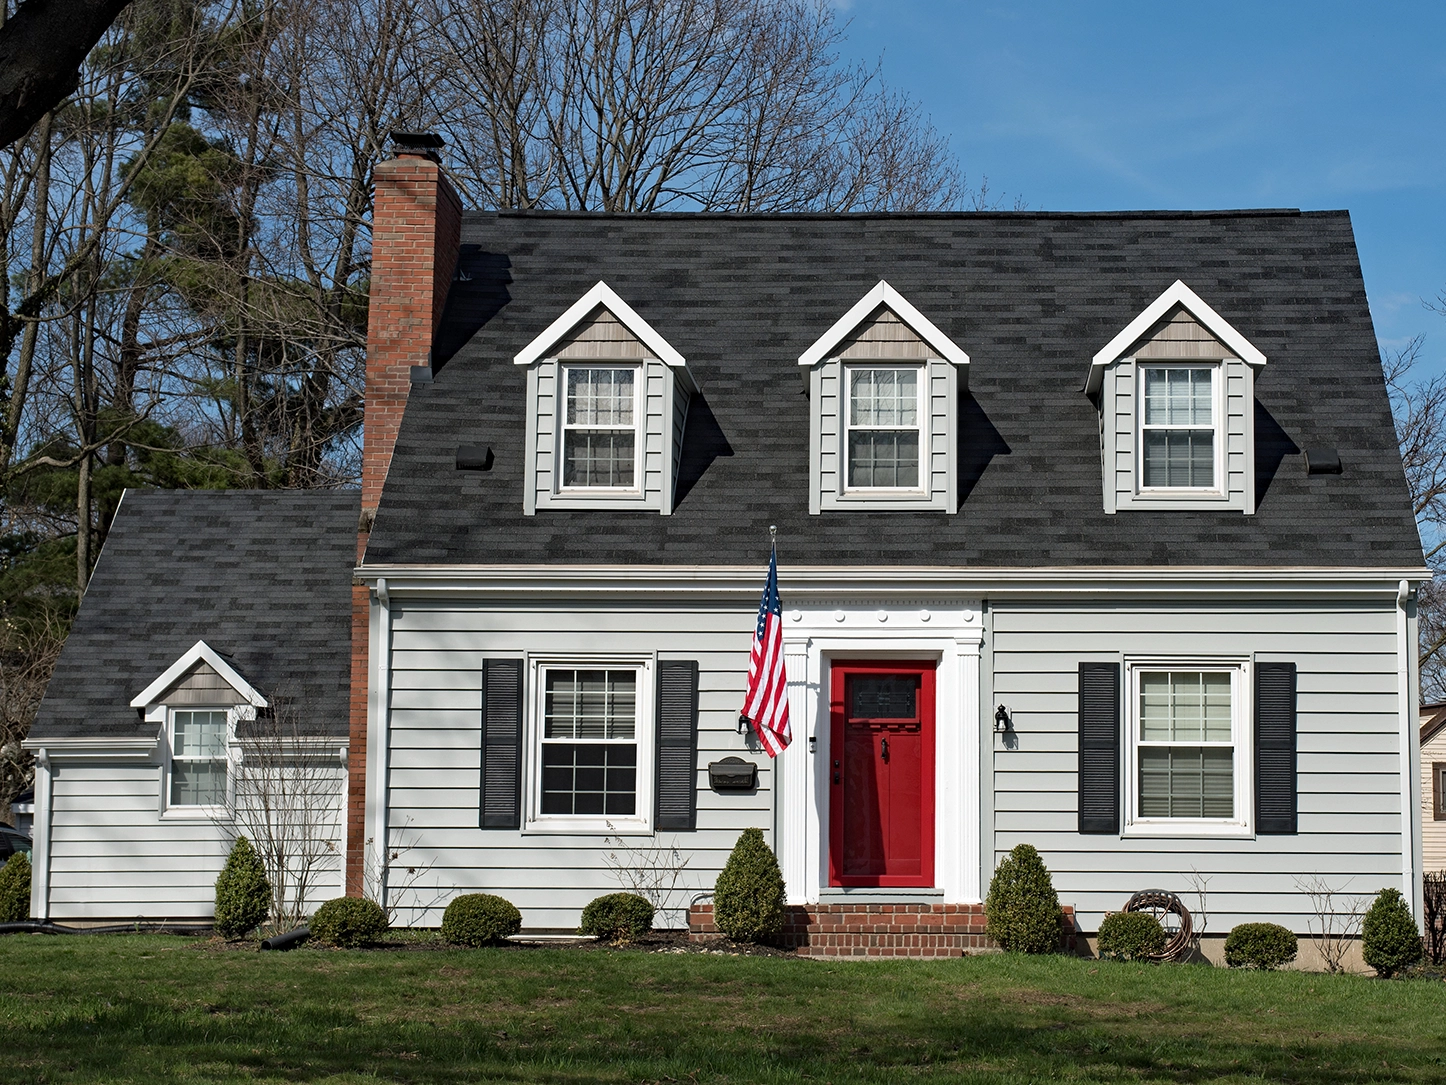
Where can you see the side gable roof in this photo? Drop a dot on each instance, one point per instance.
(261, 578)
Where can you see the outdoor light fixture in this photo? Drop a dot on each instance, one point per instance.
(1002, 720)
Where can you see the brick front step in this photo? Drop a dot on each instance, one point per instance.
(875, 930)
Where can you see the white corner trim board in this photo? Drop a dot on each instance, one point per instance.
(1177, 294)
(883, 295)
(40, 838)
(1410, 807)
(600, 295)
(378, 762)
(198, 653)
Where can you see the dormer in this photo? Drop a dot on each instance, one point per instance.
(884, 386)
(1176, 395)
(607, 400)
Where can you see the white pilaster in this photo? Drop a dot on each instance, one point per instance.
(40, 837)
(791, 775)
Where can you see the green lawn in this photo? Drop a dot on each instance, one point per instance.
(161, 1009)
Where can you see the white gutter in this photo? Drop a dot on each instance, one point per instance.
(86, 746)
(1410, 757)
(40, 839)
(379, 737)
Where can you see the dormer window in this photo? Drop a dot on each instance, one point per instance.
(1176, 395)
(884, 386)
(607, 402)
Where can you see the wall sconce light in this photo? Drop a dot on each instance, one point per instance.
(1003, 722)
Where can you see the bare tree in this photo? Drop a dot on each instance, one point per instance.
(1336, 922)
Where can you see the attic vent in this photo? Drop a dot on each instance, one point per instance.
(421, 374)
(474, 458)
(1322, 461)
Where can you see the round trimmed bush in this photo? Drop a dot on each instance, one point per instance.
(1390, 941)
(1022, 907)
(479, 919)
(15, 889)
(243, 895)
(348, 922)
(748, 898)
(618, 918)
(1259, 945)
(1131, 936)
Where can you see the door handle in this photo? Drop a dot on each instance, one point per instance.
(884, 748)
(836, 778)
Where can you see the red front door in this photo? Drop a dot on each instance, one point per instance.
(881, 765)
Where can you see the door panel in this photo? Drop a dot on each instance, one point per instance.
(882, 808)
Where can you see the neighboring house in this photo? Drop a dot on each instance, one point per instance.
(205, 608)
(1092, 534)
(1433, 787)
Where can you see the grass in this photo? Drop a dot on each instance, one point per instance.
(141, 1008)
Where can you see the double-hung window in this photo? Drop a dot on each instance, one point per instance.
(1179, 424)
(600, 428)
(885, 428)
(589, 744)
(198, 758)
(1189, 748)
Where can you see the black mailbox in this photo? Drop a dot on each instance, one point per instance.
(732, 774)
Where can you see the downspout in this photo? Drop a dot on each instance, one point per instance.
(1407, 711)
(379, 738)
(40, 838)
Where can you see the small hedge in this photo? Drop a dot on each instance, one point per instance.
(748, 900)
(479, 919)
(1131, 936)
(348, 922)
(1390, 941)
(1022, 907)
(1259, 945)
(617, 918)
(243, 895)
(15, 889)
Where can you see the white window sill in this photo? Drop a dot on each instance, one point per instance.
(196, 813)
(585, 827)
(1181, 494)
(1185, 829)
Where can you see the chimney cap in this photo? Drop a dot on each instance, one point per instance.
(423, 143)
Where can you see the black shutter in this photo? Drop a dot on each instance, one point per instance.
(1275, 805)
(677, 744)
(1099, 747)
(501, 744)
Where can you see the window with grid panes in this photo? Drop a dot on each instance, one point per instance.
(198, 757)
(1185, 745)
(884, 428)
(1178, 428)
(599, 431)
(589, 742)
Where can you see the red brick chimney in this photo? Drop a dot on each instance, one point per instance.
(416, 236)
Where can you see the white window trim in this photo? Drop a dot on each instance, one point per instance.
(640, 376)
(1217, 423)
(922, 413)
(534, 821)
(1241, 733)
(210, 812)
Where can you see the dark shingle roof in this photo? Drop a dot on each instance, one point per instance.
(1030, 296)
(264, 578)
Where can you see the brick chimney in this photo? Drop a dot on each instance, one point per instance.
(416, 236)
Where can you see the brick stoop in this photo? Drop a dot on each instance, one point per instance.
(876, 930)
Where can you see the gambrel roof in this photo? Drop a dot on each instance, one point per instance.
(1030, 297)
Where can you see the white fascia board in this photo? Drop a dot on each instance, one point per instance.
(600, 295)
(883, 295)
(198, 652)
(1177, 294)
(94, 746)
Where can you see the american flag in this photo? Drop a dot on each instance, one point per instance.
(765, 705)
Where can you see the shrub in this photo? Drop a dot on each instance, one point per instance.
(617, 917)
(15, 889)
(243, 895)
(479, 919)
(1022, 907)
(1131, 936)
(748, 899)
(1259, 945)
(1390, 941)
(348, 922)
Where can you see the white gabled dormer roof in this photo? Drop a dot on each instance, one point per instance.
(200, 652)
(1181, 295)
(886, 296)
(606, 297)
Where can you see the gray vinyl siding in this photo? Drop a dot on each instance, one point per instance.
(1348, 756)
(435, 741)
(112, 855)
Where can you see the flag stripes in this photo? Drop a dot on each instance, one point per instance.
(765, 704)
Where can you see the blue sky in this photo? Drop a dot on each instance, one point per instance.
(1104, 106)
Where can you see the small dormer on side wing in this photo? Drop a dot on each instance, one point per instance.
(1176, 395)
(884, 386)
(607, 402)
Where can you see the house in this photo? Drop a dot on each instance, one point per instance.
(1091, 530)
(1433, 787)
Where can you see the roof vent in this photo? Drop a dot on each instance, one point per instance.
(426, 144)
(1322, 461)
(474, 458)
(421, 374)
